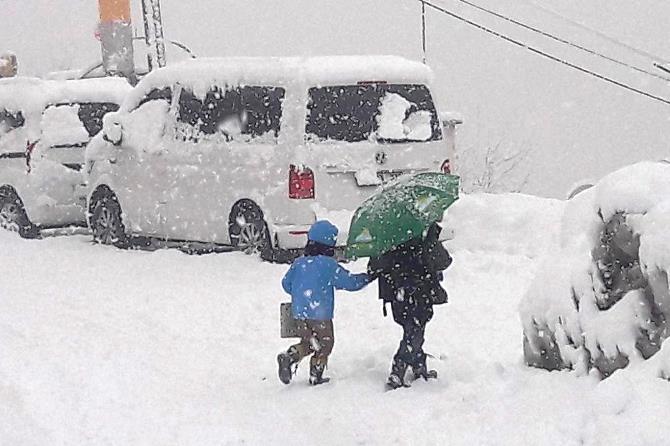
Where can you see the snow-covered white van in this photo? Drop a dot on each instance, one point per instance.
(251, 151)
(44, 128)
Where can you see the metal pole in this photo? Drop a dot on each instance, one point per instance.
(423, 31)
(116, 36)
(158, 32)
(148, 39)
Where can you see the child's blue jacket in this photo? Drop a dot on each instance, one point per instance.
(311, 282)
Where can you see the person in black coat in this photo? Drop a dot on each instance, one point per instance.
(409, 278)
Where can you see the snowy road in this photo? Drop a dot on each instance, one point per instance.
(101, 346)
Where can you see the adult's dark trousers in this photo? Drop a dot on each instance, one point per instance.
(413, 317)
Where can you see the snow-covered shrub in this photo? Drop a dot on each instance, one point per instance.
(494, 169)
(601, 300)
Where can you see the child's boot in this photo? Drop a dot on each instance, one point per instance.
(284, 361)
(316, 375)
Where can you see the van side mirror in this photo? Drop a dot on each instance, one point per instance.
(112, 130)
(450, 119)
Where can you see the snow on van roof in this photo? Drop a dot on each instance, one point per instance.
(33, 94)
(17, 93)
(106, 89)
(200, 74)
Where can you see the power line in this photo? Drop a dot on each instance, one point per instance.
(601, 34)
(542, 53)
(561, 40)
(657, 65)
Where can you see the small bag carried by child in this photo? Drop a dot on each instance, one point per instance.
(290, 327)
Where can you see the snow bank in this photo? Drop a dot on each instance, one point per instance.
(513, 224)
(601, 300)
(103, 346)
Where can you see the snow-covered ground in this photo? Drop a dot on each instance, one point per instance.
(101, 346)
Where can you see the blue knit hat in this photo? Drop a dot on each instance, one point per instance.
(323, 232)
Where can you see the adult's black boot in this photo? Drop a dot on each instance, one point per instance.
(420, 370)
(425, 373)
(397, 376)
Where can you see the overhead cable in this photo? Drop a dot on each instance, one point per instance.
(601, 34)
(561, 40)
(544, 54)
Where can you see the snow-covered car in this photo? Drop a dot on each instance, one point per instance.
(601, 302)
(251, 151)
(44, 128)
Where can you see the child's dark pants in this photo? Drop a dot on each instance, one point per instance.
(316, 337)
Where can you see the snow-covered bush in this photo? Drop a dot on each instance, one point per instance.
(494, 169)
(601, 300)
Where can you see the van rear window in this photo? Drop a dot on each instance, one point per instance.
(385, 113)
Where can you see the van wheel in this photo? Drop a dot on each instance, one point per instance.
(248, 230)
(106, 224)
(13, 215)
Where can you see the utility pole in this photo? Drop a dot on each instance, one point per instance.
(158, 32)
(153, 33)
(423, 32)
(116, 37)
(148, 36)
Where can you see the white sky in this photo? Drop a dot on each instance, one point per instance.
(576, 126)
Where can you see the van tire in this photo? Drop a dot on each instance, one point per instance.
(248, 230)
(13, 215)
(106, 222)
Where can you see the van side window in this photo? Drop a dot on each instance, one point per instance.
(249, 113)
(10, 121)
(156, 94)
(383, 113)
(190, 109)
(264, 106)
(91, 113)
(61, 126)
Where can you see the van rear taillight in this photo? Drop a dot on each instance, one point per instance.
(446, 166)
(300, 183)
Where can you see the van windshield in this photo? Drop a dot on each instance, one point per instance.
(384, 113)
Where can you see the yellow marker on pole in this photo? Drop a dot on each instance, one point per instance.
(116, 36)
(114, 10)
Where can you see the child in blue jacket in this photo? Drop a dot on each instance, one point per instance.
(311, 282)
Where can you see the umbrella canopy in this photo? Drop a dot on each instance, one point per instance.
(400, 212)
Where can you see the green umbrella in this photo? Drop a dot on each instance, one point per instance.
(400, 212)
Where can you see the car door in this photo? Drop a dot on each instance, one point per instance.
(224, 143)
(54, 163)
(141, 165)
